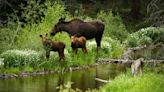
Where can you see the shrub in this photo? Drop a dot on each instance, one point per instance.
(136, 40)
(145, 36)
(1, 62)
(19, 58)
(29, 36)
(109, 47)
(114, 26)
(8, 35)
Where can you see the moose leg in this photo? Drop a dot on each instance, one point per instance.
(98, 46)
(47, 54)
(75, 50)
(60, 56)
(98, 41)
(84, 50)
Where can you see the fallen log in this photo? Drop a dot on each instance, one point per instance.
(108, 60)
(101, 80)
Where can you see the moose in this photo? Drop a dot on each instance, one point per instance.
(89, 30)
(56, 46)
(78, 42)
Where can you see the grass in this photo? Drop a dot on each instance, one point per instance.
(149, 82)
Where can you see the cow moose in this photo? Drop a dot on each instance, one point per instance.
(78, 42)
(137, 66)
(89, 30)
(56, 46)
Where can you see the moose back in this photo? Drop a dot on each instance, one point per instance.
(78, 27)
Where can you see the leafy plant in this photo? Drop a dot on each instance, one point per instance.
(145, 36)
(114, 26)
(19, 58)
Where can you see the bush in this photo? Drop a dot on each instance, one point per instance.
(29, 36)
(114, 26)
(109, 48)
(8, 35)
(19, 58)
(145, 36)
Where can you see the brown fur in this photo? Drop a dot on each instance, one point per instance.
(56, 46)
(89, 30)
(78, 42)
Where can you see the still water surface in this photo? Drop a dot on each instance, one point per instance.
(82, 79)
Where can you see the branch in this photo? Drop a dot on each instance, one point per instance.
(101, 80)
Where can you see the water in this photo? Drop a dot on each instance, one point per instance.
(82, 79)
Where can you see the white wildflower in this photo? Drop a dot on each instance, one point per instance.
(1, 61)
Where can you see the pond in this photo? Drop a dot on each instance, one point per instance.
(82, 79)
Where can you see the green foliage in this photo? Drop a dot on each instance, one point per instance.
(32, 11)
(12, 29)
(29, 38)
(145, 36)
(114, 26)
(109, 47)
(8, 35)
(20, 58)
(1, 63)
(149, 82)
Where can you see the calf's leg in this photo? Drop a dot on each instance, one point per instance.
(84, 50)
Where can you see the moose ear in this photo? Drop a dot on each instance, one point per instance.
(41, 36)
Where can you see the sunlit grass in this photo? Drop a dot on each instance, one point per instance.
(149, 82)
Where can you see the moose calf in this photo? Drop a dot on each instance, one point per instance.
(50, 45)
(78, 42)
(137, 66)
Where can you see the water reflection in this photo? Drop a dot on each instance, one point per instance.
(82, 79)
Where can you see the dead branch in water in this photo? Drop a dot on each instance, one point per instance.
(140, 51)
(108, 60)
(101, 80)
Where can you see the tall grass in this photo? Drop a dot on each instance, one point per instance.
(149, 82)
(29, 38)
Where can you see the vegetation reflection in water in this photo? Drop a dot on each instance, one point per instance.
(82, 79)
